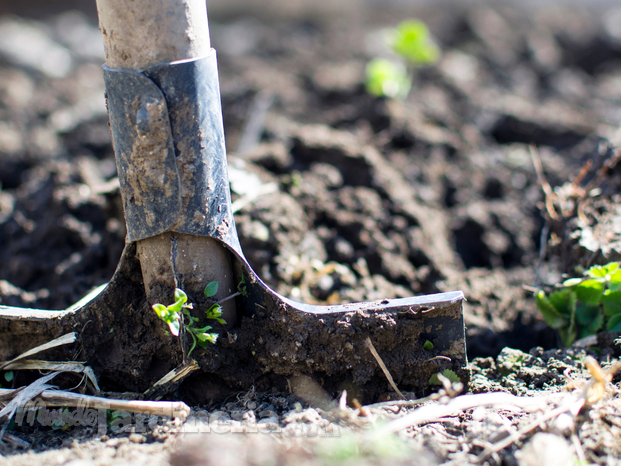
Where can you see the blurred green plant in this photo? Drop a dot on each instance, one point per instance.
(412, 41)
(386, 78)
(584, 306)
(412, 45)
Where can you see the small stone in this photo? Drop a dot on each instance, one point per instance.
(546, 450)
(113, 442)
(137, 438)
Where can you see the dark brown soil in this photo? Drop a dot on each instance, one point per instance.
(374, 198)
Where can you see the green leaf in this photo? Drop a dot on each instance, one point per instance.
(222, 321)
(180, 296)
(160, 310)
(211, 289)
(552, 317)
(241, 286)
(590, 291)
(174, 327)
(203, 330)
(448, 373)
(193, 344)
(586, 313)
(595, 325)
(573, 282)
(568, 334)
(385, 78)
(176, 307)
(564, 301)
(411, 40)
(612, 302)
(428, 345)
(614, 323)
(8, 376)
(602, 271)
(615, 279)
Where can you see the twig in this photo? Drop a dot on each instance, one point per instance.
(523, 431)
(445, 358)
(608, 165)
(400, 403)
(22, 397)
(583, 172)
(237, 293)
(16, 441)
(579, 450)
(383, 367)
(545, 186)
(433, 412)
(170, 380)
(60, 398)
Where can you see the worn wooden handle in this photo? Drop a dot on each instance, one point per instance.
(141, 33)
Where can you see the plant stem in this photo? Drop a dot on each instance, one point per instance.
(182, 335)
(228, 297)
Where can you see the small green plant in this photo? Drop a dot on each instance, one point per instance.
(449, 374)
(412, 46)
(428, 345)
(412, 41)
(241, 286)
(583, 306)
(386, 78)
(179, 318)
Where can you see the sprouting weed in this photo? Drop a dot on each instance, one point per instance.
(448, 373)
(411, 40)
(386, 78)
(241, 286)
(412, 45)
(178, 314)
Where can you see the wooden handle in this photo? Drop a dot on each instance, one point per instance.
(141, 33)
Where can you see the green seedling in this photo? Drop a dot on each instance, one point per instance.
(584, 306)
(411, 40)
(449, 374)
(386, 78)
(428, 345)
(178, 317)
(241, 287)
(412, 46)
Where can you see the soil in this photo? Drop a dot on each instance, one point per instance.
(363, 199)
